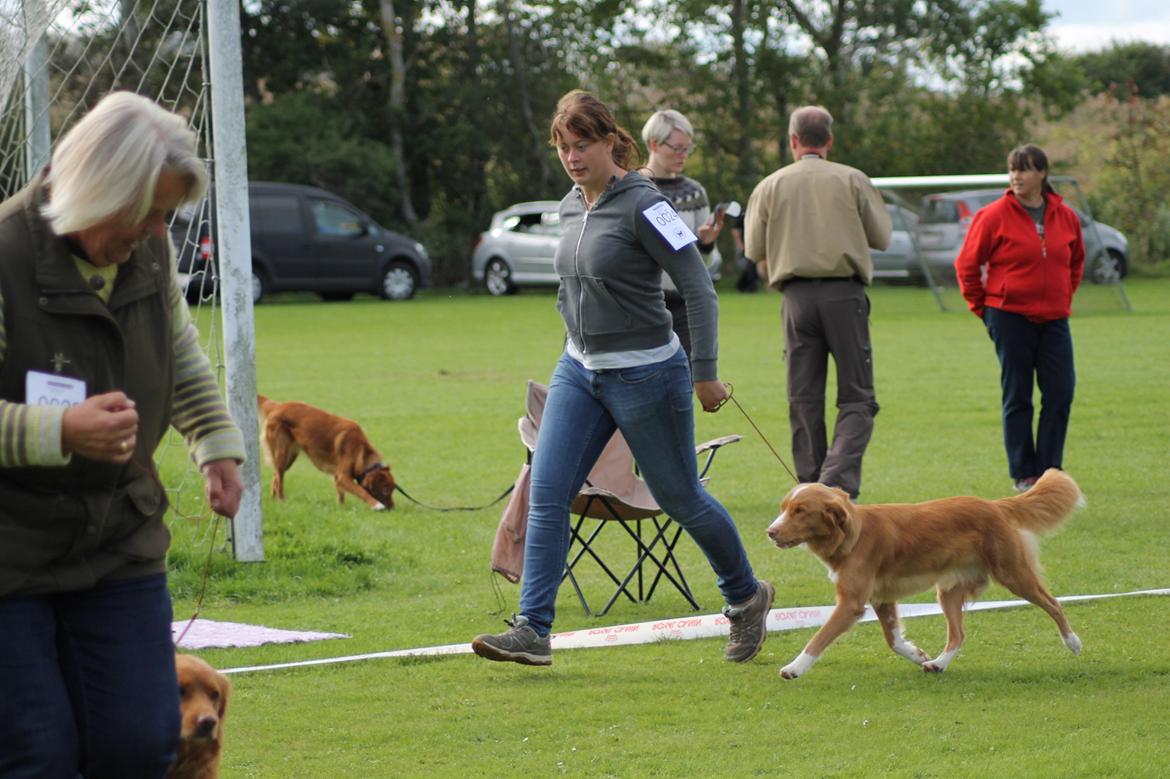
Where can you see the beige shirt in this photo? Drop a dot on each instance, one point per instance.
(816, 219)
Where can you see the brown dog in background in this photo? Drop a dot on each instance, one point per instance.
(203, 699)
(335, 445)
(881, 553)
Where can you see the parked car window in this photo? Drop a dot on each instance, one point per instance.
(335, 220)
(939, 211)
(281, 214)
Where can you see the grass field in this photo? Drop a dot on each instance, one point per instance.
(438, 384)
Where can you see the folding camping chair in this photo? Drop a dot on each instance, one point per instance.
(615, 493)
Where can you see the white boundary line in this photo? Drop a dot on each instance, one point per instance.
(682, 629)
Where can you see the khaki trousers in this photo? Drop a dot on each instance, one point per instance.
(825, 317)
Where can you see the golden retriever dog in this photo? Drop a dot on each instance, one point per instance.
(880, 553)
(203, 699)
(334, 444)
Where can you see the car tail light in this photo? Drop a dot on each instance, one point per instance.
(964, 214)
(206, 248)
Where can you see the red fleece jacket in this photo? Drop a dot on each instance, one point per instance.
(1006, 264)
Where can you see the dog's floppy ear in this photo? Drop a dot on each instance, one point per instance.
(836, 511)
(225, 691)
(840, 509)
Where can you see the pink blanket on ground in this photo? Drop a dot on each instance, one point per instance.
(207, 634)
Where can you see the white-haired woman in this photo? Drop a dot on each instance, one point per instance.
(98, 357)
(670, 137)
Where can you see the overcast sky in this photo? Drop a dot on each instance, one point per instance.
(1094, 24)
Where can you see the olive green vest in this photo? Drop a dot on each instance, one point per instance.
(66, 528)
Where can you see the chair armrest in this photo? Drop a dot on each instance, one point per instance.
(711, 447)
(715, 443)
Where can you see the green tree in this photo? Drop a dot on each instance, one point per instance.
(1136, 68)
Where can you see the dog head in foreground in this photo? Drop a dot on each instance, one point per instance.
(203, 700)
(819, 517)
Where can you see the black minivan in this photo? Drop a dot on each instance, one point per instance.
(304, 239)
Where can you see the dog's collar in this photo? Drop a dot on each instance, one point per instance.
(375, 467)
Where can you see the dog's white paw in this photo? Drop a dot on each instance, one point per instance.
(379, 507)
(940, 663)
(798, 666)
(910, 651)
(1073, 643)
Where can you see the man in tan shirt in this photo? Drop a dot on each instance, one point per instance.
(810, 225)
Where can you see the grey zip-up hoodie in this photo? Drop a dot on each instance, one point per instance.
(610, 262)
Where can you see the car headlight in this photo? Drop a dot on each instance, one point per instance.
(418, 247)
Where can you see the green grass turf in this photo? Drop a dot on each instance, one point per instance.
(438, 384)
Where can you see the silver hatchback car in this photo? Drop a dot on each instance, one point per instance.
(518, 248)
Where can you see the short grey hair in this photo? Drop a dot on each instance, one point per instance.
(812, 125)
(106, 166)
(662, 123)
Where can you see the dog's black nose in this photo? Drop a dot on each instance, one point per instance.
(205, 727)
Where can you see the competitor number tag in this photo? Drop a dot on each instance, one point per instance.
(667, 222)
(49, 389)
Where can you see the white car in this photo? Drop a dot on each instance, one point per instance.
(518, 248)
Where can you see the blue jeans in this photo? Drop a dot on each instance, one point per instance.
(653, 407)
(87, 683)
(1026, 350)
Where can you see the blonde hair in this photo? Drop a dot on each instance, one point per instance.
(106, 166)
(583, 114)
(662, 123)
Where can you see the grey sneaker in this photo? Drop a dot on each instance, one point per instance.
(519, 645)
(749, 624)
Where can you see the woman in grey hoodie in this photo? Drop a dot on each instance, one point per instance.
(623, 369)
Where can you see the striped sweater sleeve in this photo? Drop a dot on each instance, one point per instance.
(29, 435)
(198, 411)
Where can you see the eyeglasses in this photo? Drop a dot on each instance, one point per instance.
(689, 149)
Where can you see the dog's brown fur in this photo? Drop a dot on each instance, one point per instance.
(335, 445)
(203, 700)
(881, 553)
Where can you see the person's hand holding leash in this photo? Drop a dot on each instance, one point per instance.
(712, 394)
(223, 486)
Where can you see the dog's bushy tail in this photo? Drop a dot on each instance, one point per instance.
(264, 405)
(1049, 502)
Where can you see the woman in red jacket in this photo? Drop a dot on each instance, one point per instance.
(1020, 264)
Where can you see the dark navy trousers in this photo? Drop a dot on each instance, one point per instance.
(87, 683)
(1032, 354)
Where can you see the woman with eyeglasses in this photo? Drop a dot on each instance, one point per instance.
(671, 140)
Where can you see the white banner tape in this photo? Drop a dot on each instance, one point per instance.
(684, 628)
